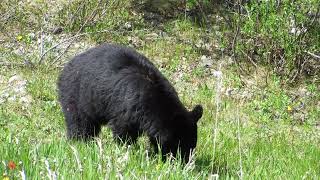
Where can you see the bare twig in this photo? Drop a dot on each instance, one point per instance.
(91, 17)
(72, 40)
(64, 51)
(105, 9)
(72, 19)
(312, 54)
(58, 44)
(255, 65)
(294, 76)
(235, 37)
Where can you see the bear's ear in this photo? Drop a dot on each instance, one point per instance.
(197, 112)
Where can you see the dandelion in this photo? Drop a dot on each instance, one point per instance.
(289, 108)
(19, 38)
(11, 165)
(5, 177)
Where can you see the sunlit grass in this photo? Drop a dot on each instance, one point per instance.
(272, 144)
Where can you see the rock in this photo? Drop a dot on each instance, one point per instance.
(127, 26)
(32, 36)
(12, 98)
(246, 95)
(26, 100)
(217, 74)
(199, 44)
(152, 36)
(135, 41)
(163, 34)
(20, 89)
(299, 117)
(229, 91)
(206, 61)
(17, 84)
(15, 78)
(5, 95)
(16, 90)
(2, 100)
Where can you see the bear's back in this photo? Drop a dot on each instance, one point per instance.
(112, 57)
(113, 76)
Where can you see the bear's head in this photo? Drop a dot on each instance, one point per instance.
(182, 134)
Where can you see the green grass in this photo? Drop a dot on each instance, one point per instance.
(257, 136)
(269, 149)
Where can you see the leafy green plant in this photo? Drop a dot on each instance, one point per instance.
(94, 16)
(282, 35)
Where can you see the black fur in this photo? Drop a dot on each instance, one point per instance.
(117, 86)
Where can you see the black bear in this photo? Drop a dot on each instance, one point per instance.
(116, 86)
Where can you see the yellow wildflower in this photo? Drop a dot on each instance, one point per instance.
(19, 38)
(5, 178)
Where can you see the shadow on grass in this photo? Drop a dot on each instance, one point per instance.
(208, 164)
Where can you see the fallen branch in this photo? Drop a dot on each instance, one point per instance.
(3, 63)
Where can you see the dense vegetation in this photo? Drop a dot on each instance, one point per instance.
(254, 65)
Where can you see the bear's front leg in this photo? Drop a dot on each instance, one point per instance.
(125, 135)
(82, 128)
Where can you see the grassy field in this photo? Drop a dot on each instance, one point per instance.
(253, 126)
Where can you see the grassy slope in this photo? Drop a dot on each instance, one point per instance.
(272, 145)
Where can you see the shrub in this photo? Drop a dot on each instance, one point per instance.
(284, 34)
